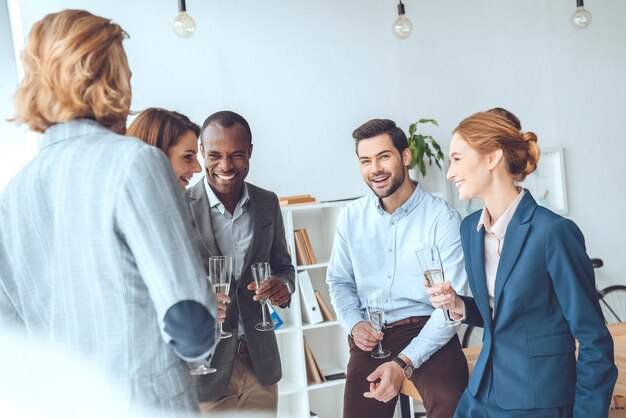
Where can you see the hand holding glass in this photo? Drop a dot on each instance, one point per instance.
(376, 315)
(429, 261)
(220, 272)
(261, 273)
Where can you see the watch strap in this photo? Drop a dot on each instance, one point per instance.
(400, 362)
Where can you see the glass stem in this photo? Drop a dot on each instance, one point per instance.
(263, 312)
(221, 330)
(446, 315)
(380, 347)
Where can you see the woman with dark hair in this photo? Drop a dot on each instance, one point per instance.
(532, 283)
(175, 135)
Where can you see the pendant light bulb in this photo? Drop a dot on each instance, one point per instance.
(184, 25)
(581, 18)
(402, 26)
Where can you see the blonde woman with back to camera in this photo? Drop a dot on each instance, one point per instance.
(95, 254)
(532, 285)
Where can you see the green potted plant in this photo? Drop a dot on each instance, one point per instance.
(423, 146)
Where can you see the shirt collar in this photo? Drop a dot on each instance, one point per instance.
(407, 206)
(499, 227)
(214, 201)
(71, 129)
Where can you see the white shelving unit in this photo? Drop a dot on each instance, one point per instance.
(327, 340)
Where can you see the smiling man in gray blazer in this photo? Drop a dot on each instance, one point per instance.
(240, 220)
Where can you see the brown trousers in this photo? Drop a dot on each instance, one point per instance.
(440, 381)
(244, 393)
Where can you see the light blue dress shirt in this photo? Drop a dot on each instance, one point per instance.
(233, 233)
(375, 251)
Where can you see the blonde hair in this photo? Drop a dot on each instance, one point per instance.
(496, 129)
(74, 67)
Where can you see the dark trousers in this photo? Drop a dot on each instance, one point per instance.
(484, 405)
(440, 381)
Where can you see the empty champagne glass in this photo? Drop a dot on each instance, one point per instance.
(261, 272)
(220, 272)
(198, 368)
(376, 315)
(429, 261)
(202, 368)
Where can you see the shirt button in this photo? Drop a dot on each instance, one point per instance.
(390, 250)
(393, 223)
(389, 276)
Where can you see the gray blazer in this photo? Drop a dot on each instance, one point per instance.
(95, 254)
(268, 244)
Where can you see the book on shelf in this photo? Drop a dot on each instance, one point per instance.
(313, 372)
(310, 309)
(327, 313)
(301, 199)
(333, 373)
(301, 252)
(309, 247)
(304, 250)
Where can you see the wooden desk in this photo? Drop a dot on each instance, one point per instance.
(618, 331)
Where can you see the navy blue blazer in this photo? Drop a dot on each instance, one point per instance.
(544, 300)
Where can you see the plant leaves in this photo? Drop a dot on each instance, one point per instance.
(424, 146)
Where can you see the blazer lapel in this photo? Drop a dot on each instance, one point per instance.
(480, 276)
(201, 212)
(514, 239)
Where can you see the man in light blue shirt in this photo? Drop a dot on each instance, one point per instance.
(374, 251)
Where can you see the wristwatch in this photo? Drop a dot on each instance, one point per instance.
(407, 370)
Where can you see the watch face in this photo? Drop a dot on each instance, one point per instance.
(408, 372)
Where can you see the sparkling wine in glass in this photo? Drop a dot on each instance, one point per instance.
(376, 315)
(261, 272)
(220, 272)
(430, 264)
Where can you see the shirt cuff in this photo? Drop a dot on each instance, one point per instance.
(455, 317)
(288, 284)
(350, 320)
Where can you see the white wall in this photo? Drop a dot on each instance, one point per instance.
(15, 149)
(306, 73)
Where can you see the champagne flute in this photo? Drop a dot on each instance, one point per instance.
(430, 264)
(376, 315)
(220, 269)
(198, 368)
(261, 273)
(202, 368)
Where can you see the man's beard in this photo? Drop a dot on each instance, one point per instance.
(396, 182)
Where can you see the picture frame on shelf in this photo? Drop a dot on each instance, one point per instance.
(547, 185)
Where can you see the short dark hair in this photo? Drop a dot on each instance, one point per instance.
(376, 127)
(227, 119)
